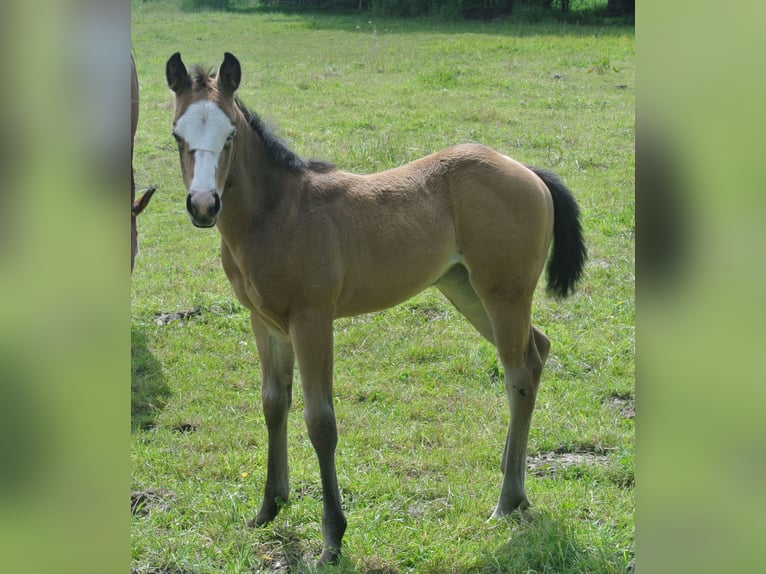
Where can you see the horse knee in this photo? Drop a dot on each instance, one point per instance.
(320, 422)
(276, 403)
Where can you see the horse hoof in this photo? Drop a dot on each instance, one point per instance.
(521, 506)
(261, 519)
(268, 511)
(329, 557)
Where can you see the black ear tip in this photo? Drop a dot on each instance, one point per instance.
(177, 76)
(230, 72)
(175, 62)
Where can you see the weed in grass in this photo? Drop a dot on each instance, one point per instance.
(602, 66)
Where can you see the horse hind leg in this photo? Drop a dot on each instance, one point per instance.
(522, 349)
(540, 346)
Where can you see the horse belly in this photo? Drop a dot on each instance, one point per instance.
(374, 287)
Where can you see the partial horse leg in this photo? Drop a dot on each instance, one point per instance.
(517, 346)
(277, 363)
(455, 285)
(312, 338)
(543, 345)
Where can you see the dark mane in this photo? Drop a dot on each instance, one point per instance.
(277, 150)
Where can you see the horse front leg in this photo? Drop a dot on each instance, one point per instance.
(312, 338)
(277, 362)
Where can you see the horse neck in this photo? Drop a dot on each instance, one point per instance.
(256, 189)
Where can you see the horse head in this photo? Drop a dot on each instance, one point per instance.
(204, 129)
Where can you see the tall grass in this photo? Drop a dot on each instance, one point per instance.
(419, 395)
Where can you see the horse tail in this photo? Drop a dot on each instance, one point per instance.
(568, 255)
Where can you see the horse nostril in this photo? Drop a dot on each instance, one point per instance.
(203, 207)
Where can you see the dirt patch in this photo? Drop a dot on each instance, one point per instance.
(165, 318)
(624, 404)
(429, 311)
(550, 463)
(143, 501)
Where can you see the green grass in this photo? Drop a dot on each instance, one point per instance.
(419, 395)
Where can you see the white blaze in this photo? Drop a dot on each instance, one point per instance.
(205, 164)
(205, 128)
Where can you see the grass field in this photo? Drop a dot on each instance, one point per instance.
(420, 400)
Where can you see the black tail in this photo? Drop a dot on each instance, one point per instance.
(569, 253)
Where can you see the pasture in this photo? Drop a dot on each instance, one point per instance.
(419, 395)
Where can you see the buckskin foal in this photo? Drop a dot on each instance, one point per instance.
(303, 243)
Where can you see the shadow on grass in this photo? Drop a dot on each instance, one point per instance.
(149, 392)
(541, 543)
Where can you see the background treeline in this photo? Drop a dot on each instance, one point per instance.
(482, 9)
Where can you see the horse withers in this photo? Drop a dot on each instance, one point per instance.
(303, 243)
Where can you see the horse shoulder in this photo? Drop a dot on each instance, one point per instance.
(235, 275)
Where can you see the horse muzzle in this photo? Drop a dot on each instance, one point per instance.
(203, 207)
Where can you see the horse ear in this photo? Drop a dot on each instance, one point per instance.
(175, 71)
(229, 74)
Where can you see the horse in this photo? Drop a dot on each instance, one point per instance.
(136, 205)
(303, 243)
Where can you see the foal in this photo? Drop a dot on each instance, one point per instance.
(303, 243)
